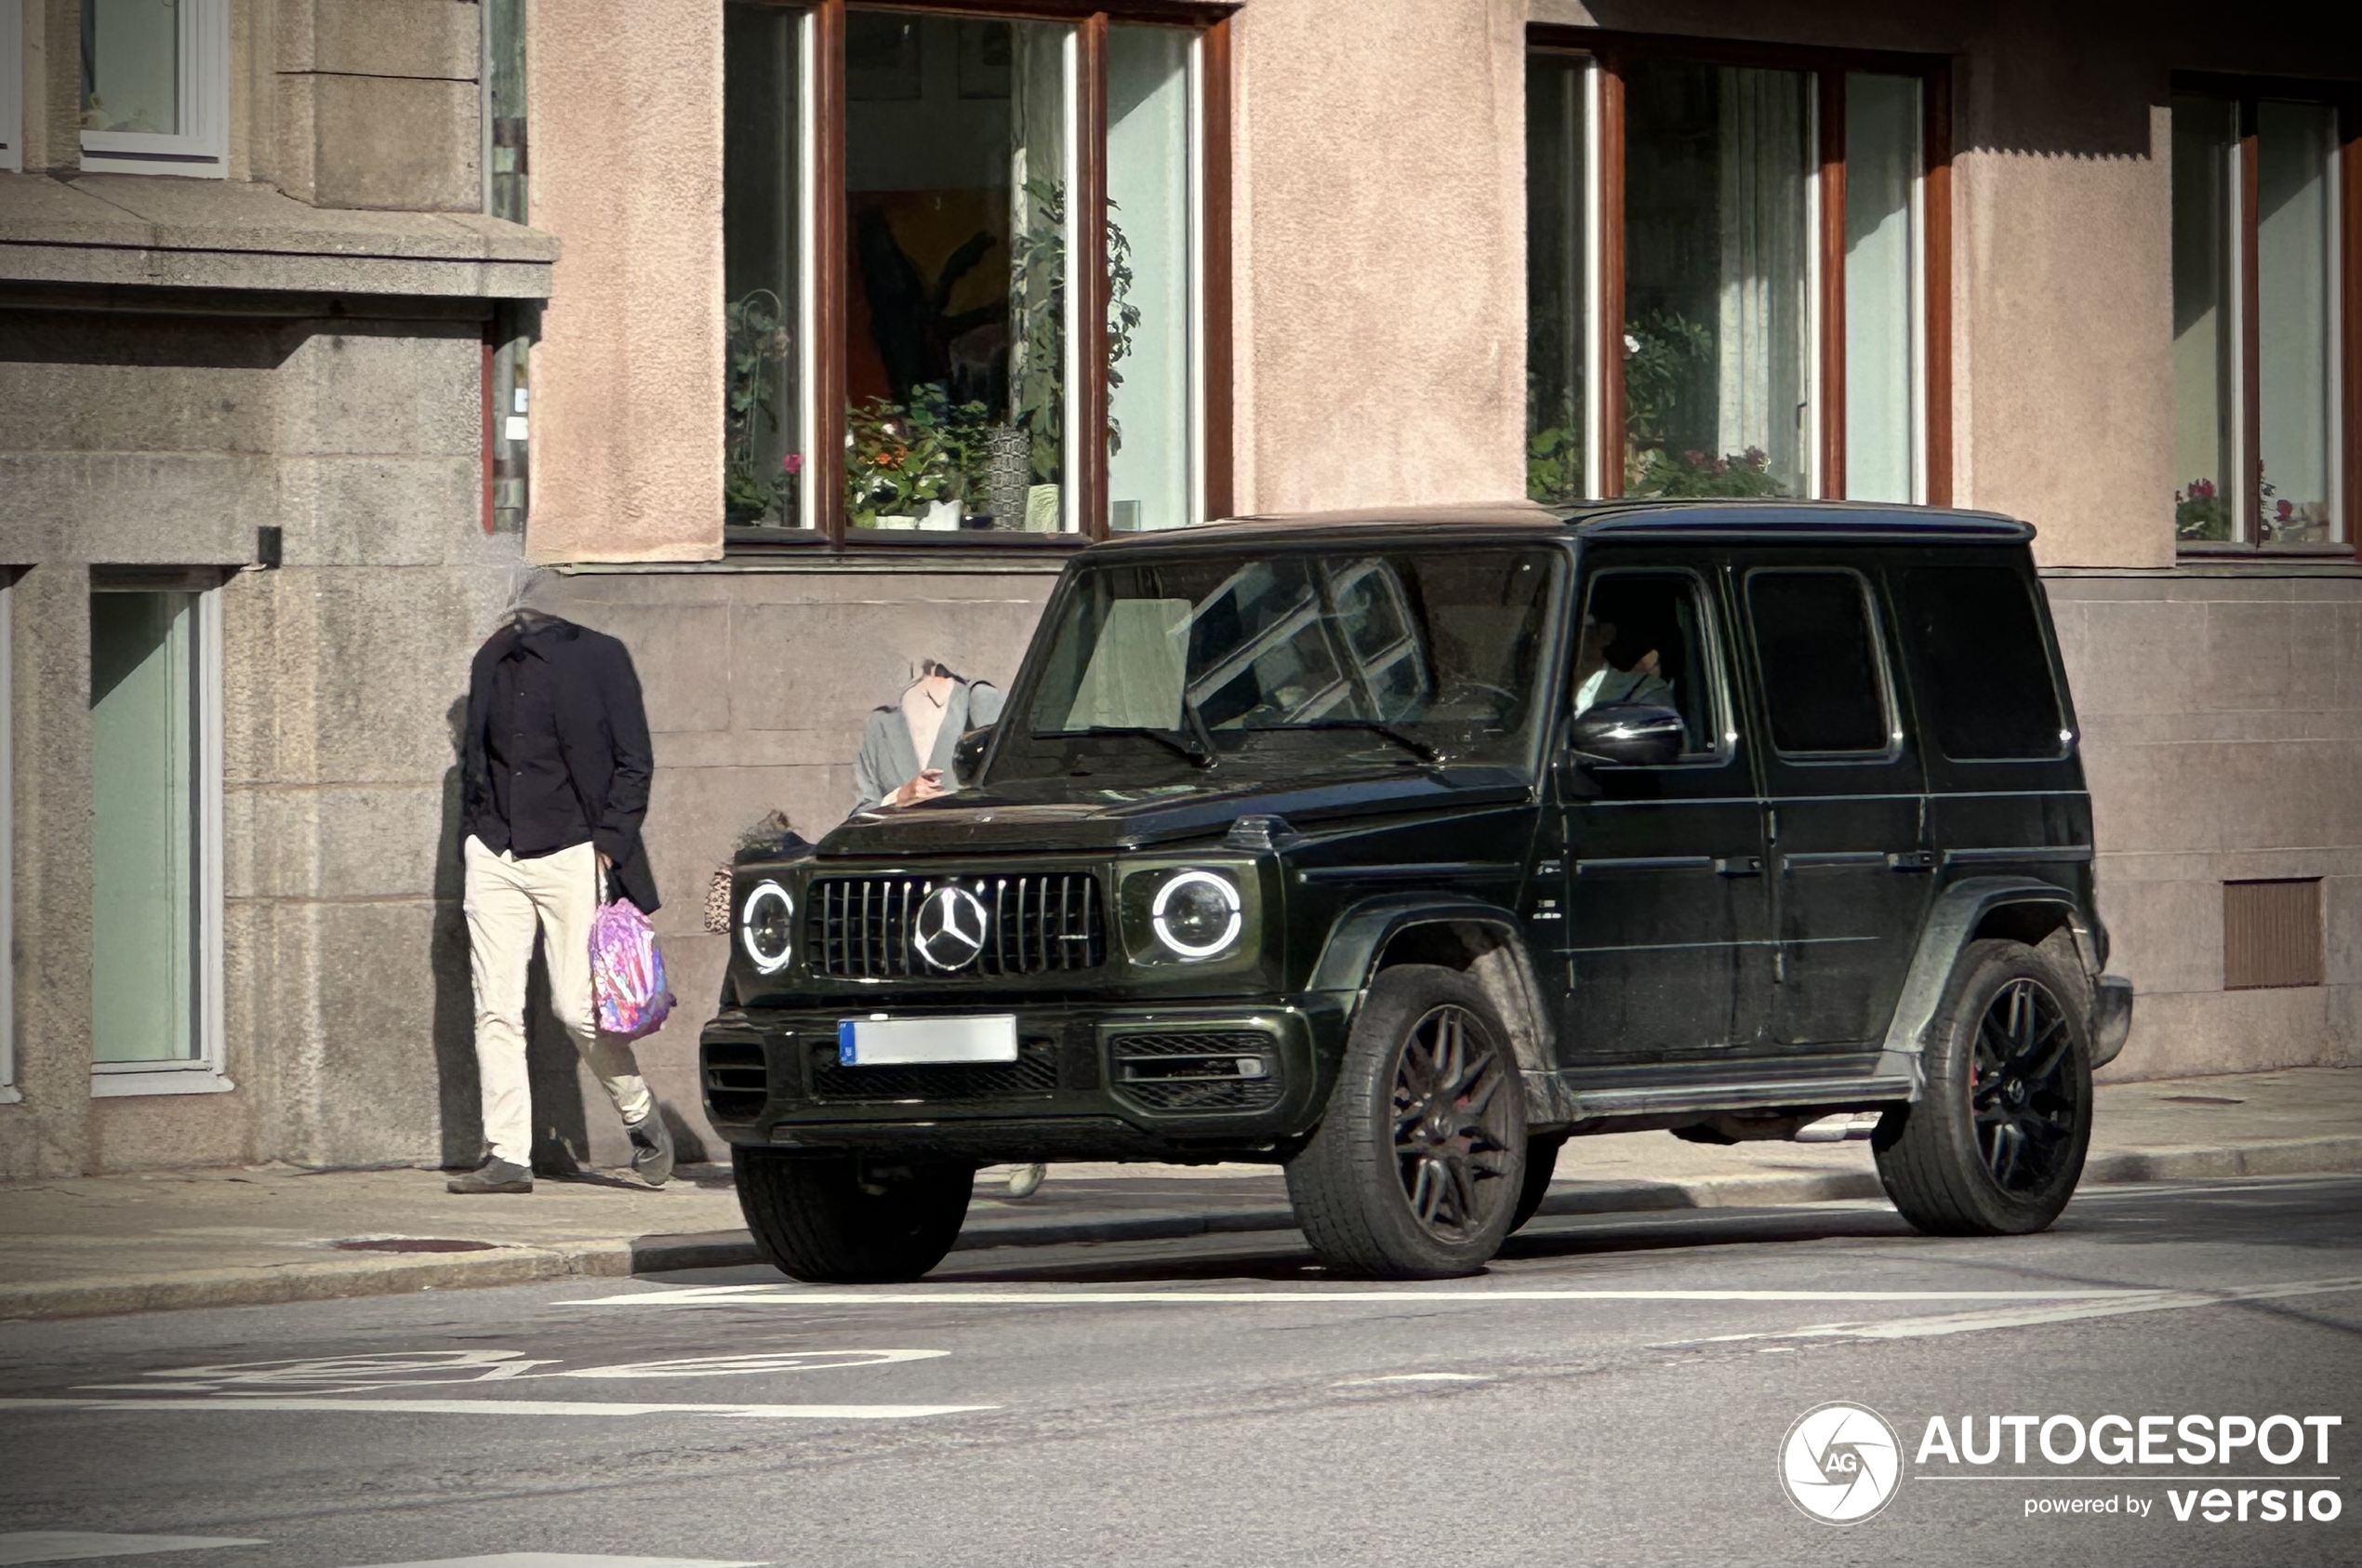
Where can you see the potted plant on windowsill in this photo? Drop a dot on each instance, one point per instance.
(908, 465)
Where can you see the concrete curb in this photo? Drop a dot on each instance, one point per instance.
(352, 1276)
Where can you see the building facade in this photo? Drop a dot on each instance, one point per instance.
(805, 341)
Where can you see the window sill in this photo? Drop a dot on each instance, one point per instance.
(195, 1078)
(2207, 550)
(743, 540)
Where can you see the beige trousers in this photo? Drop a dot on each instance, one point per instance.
(507, 901)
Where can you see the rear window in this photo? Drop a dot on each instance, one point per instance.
(1984, 676)
(1819, 657)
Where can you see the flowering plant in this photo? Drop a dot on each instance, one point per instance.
(900, 457)
(1697, 473)
(2201, 512)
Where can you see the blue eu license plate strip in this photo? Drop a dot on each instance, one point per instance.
(888, 1042)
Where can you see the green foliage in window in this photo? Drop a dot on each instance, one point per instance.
(1037, 294)
(1663, 351)
(903, 458)
(755, 489)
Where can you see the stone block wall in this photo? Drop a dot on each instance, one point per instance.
(164, 440)
(2221, 717)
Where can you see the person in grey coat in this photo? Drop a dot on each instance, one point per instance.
(938, 707)
(928, 721)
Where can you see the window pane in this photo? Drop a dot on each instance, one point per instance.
(1644, 641)
(1715, 292)
(761, 164)
(1150, 247)
(1558, 158)
(1988, 686)
(2205, 377)
(143, 827)
(2295, 365)
(131, 65)
(1820, 669)
(1881, 293)
(956, 177)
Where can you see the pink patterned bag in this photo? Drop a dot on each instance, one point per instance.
(627, 972)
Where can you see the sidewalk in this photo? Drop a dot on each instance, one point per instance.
(219, 1238)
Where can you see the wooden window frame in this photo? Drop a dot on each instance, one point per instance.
(1613, 50)
(2245, 94)
(823, 260)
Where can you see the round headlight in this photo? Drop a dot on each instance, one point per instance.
(767, 928)
(1197, 914)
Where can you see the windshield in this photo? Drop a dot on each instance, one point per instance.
(1413, 656)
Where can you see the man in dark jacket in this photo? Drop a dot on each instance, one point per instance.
(554, 772)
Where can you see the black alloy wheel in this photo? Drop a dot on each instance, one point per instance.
(1450, 1133)
(1418, 1163)
(2022, 1089)
(1995, 1143)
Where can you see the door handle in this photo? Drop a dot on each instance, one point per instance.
(1738, 866)
(1911, 860)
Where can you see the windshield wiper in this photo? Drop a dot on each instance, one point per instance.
(1410, 743)
(1198, 749)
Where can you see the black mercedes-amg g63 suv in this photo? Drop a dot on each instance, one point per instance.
(1396, 849)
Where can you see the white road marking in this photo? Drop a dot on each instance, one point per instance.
(2028, 1316)
(393, 1369)
(509, 1407)
(62, 1546)
(1414, 1377)
(748, 1365)
(568, 1559)
(821, 1295)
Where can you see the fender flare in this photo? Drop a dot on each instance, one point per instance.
(1360, 934)
(1949, 926)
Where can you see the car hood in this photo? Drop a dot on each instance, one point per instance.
(1053, 815)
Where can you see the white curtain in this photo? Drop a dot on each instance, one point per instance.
(1761, 213)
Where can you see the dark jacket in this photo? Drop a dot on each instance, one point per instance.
(602, 732)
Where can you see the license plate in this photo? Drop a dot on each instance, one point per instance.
(905, 1041)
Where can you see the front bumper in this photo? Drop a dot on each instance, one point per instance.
(2111, 1017)
(1090, 1083)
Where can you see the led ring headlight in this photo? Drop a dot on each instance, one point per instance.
(767, 928)
(1206, 900)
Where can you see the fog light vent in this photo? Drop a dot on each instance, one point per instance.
(1218, 1071)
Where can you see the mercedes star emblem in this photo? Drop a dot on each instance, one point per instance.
(949, 931)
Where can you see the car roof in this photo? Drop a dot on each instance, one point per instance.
(1762, 521)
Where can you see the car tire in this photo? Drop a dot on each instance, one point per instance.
(1996, 1142)
(1541, 1159)
(841, 1219)
(1416, 1170)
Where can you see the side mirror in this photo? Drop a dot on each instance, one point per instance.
(967, 753)
(1627, 734)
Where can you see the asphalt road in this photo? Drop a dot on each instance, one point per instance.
(1617, 1389)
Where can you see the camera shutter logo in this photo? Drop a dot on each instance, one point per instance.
(949, 932)
(1841, 1463)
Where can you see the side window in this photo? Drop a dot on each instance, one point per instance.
(1818, 652)
(1646, 639)
(1985, 674)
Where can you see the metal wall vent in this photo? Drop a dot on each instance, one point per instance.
(2271, 934)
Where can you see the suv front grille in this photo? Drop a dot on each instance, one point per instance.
(1034, 1075)
(861, 928)
(1191, 1072)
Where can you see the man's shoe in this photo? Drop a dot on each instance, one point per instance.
(1026, 1180)
(493, 1176)
(651, 1148)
